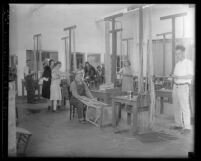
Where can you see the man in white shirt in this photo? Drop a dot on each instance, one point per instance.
(183, 74)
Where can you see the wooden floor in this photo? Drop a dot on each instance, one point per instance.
(53, 134)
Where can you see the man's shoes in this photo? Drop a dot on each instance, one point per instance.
(186, 131)
(176, 128)
(82, 121)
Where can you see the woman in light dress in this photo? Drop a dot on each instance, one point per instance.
(127, 77)
(127, 86)
(55, 89)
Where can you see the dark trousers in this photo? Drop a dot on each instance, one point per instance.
(30, 87)
(79, 105)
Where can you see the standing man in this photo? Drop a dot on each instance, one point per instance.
(29, 83)
(183, 74)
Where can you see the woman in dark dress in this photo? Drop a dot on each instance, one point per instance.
(47, 80)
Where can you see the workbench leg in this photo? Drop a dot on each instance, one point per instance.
(162, 107)
(118, 115)
(101, 117)
(23, 90)
(119, 111)
(134, 128)
(113, 114)
(128, 118)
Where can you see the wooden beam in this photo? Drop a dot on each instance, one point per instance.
(69, 28)
(173, 16)
(116, 30)
(165, 33)
(64, 38)
(37, 35)
(113, 16)
(125, 39)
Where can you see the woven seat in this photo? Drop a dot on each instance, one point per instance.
(23, 137)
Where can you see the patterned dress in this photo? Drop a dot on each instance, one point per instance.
(55, 89)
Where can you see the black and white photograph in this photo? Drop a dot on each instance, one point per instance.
(101, 80)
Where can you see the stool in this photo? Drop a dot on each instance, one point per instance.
(23, 137)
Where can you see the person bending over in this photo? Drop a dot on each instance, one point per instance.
(79, 88)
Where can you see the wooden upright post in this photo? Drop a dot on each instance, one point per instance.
(70, 41)
(114, 45)
(36, 53)
(107, 58)
(66, 53)
(114, 51)
(173, 17)
(140, 78)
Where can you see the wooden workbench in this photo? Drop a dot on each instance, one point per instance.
(94, 111)
(105, 95)
(134, 129)
(164, 93)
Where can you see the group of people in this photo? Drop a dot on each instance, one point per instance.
(54, 90)
(182, 80)
(91, 75)
(182, 76)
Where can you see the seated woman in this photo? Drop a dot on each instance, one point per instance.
(79, 88)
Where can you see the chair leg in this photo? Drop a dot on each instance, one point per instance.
(70, 111)
(27, 141)
(73, 112)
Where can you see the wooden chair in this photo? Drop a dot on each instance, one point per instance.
(73, 108)
(17, 116)
(23, 137)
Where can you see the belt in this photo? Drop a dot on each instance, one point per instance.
(182, 84)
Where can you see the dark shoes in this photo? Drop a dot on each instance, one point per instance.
(82, 121)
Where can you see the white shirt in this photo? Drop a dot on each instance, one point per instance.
(183, 68)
